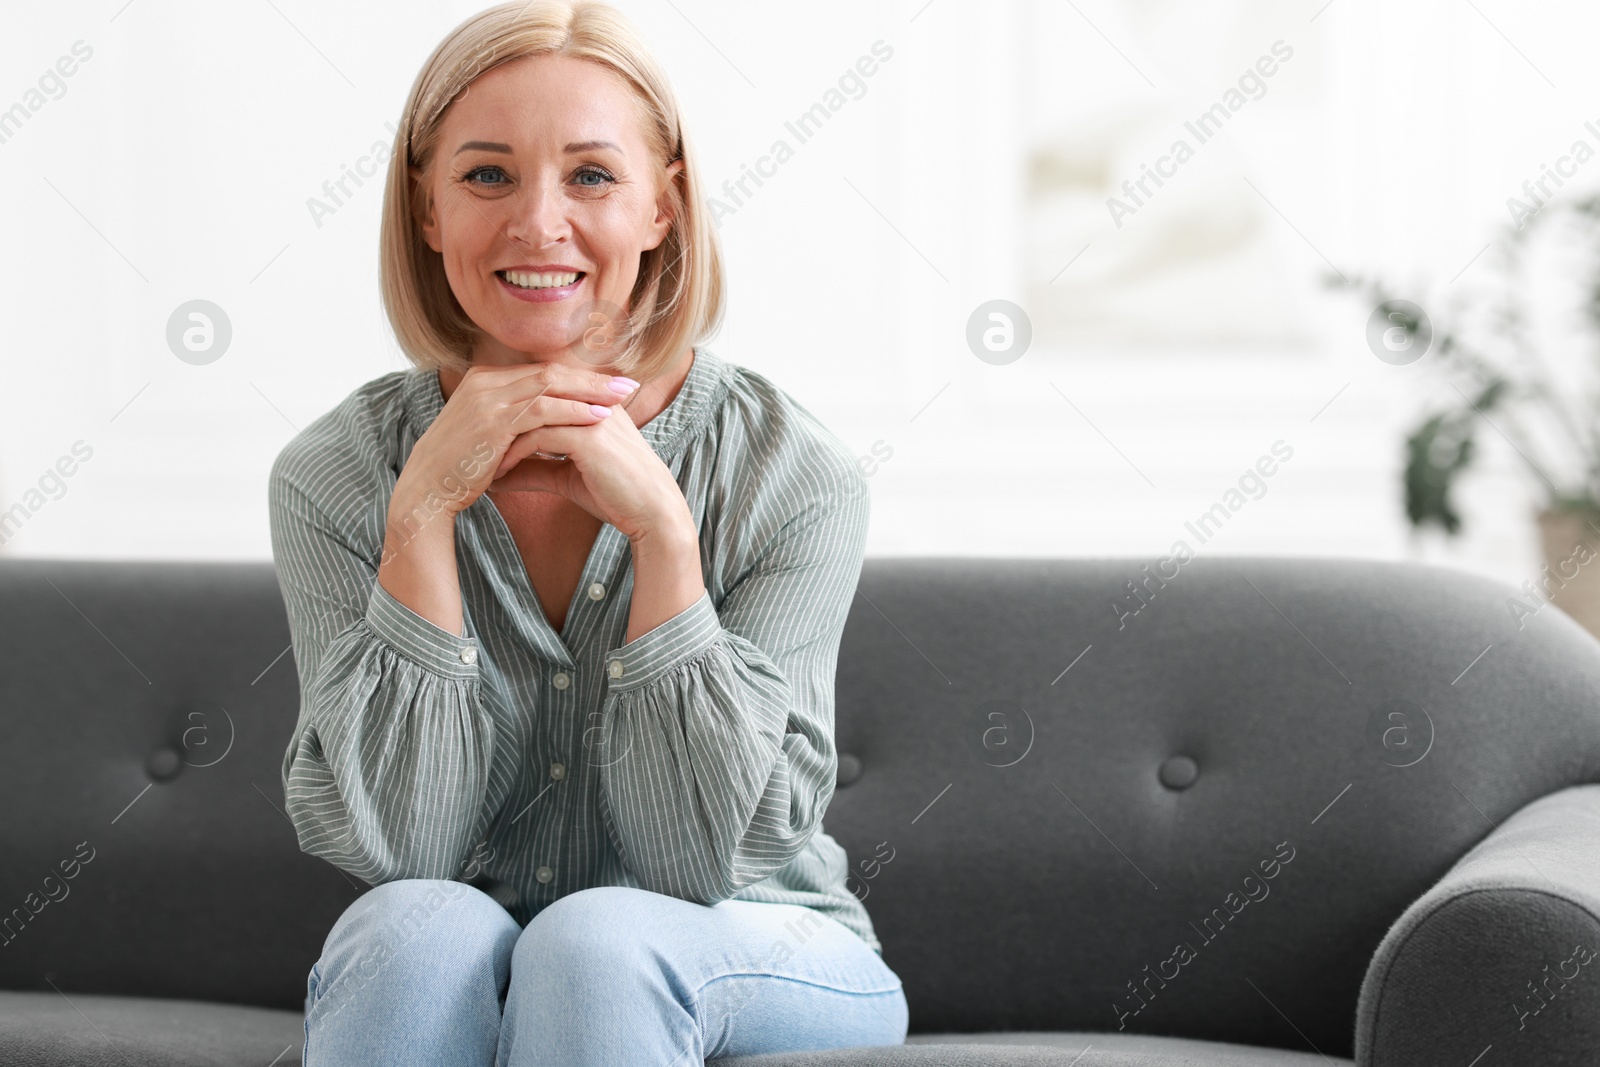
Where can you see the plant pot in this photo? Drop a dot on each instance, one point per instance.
(1571, 576)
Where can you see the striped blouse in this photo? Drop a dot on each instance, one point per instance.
(696, 760)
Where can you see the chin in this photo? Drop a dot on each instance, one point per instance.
(535, 346)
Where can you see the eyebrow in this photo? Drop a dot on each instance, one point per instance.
(496, 146)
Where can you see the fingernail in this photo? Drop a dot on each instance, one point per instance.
(620, 384)
(600, 409)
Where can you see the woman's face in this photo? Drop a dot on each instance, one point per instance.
(542, 171)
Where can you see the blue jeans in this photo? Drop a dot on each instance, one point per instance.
(437, 972)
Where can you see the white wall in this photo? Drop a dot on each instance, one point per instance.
(178, 163)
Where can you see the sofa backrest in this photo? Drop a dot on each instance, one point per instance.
(146, 710)
(1192, 811)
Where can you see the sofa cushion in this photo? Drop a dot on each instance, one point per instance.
(1062, 1049)
(89, 1030)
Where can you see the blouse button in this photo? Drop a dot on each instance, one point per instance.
(616, 668)
(561, 680)
(597, 591)
(544, 874)
(469, 655)
(558, 771)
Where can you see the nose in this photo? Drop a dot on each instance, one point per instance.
(538, 215)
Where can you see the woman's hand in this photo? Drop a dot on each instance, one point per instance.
(492, 408)
(611, 472)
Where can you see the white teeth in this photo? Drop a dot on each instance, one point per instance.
(526, 280)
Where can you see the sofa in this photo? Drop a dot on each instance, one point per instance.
(1286, 811)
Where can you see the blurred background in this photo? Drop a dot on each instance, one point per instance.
(1069, 275)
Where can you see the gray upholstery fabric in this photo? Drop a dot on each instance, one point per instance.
(1055, 1049)
(1501, 954)
(1028, 896)
(88, 1030)
(1033, 842)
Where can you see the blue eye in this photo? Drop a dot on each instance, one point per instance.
(470, 175)
(595, 172)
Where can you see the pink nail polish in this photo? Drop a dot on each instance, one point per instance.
(620, 384)
(600, 409)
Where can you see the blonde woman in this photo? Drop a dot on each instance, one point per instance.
(566, 601)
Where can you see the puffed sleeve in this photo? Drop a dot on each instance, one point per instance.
(718, 756)
(386, 774)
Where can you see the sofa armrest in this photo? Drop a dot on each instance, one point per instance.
(1502, 954)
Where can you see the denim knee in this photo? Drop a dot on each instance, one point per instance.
(413, 931)
(589, 931)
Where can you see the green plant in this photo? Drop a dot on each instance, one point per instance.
(1512, 386)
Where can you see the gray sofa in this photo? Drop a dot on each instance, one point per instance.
(1255, 811)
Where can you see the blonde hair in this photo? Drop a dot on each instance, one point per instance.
(677, 300)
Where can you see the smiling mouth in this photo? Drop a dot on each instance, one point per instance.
(536, 280)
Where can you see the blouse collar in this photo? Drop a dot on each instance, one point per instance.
(703, 391)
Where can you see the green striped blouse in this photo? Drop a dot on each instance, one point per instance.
(696, 760)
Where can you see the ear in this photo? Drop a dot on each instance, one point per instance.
(661, 225)
(426, 219)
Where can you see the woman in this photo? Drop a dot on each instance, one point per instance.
(566, 602)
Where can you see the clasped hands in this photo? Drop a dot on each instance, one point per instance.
(495, 420)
